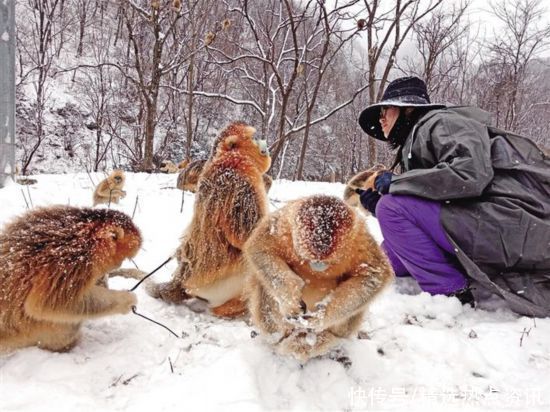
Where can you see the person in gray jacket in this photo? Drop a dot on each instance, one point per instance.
(472, 202)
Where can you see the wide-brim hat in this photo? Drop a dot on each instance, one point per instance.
(403, 92)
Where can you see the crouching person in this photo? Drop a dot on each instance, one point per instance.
(471, 201)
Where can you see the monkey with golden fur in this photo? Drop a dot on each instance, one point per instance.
(230, 201)
(53, 264)
(110, 190)
(314, 270)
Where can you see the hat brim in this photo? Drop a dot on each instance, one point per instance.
(369, 119)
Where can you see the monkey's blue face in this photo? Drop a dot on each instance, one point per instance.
(262, 145)
(318, 266)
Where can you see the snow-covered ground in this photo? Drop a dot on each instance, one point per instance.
(417, 352)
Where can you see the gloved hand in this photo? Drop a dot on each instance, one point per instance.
(369, 199)
(382, 182)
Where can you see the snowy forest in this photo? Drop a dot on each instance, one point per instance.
(130, 84)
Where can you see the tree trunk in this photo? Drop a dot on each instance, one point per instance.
(150, 125)
(301, 160)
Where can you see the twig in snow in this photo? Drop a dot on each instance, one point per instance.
(150, 274)
(135, 264)
(524, 333)
(182, 200)
(25, 198)
(134, 310)
(91, 180)
(30, 198)
(127, 381)
(135, 207)
(276, 202)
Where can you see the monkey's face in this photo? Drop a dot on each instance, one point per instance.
(117, 177)
(118, 243)
(241, 138)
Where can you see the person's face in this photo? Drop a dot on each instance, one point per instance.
(388, 117)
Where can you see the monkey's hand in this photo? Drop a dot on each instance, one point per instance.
(97, 301)
(125, 302)
(310, 320)
(123, 193)
(280, 280)
(292, 307)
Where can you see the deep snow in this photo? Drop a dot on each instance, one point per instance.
(417, 352)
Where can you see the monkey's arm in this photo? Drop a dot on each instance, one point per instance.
(103, 189)
(348, 299)
(244, 214)
(128, 273)
(96, 301)
(279, 280)
(122, 193)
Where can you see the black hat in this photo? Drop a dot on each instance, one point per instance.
(403, 92)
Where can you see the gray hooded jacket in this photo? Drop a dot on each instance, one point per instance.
(495, 192)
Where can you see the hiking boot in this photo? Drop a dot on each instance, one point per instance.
(464, 295)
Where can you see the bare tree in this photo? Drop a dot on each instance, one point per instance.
(526, 33)
(86, 10)
(280, 44)
(99, 87)
(329, 38)
(150, 26)
(435, 38)
(39, 50)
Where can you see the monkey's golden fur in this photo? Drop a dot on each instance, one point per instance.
(268, 182)
(230, 201)
(53, 263)
(315, 268)
(362, 180)
(109, 190)
(188, 177)
(167, 166)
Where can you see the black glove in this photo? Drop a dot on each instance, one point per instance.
(382, 182)
(369, 199)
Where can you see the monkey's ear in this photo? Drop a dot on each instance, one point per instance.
(112, 233)
(231, 141)
(249, 131)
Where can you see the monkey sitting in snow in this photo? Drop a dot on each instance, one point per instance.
(230, 201)
(110, 190)
(314, 270)
(53, 264)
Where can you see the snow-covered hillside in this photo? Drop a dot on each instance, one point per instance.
(416, 352)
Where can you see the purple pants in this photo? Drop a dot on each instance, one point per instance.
(416, 243)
